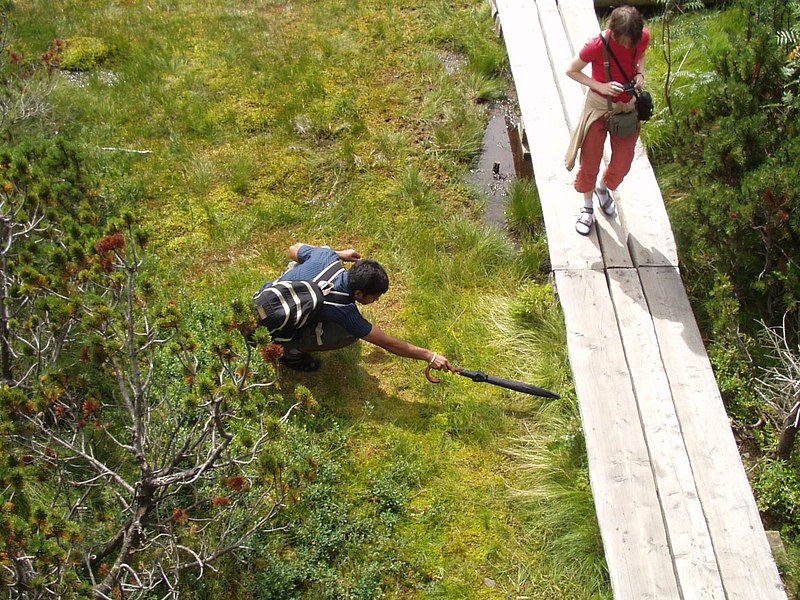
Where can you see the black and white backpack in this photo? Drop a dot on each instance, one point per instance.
(283, 307)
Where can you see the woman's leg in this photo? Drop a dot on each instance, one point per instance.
(589, 167)
(590, 157)
(622, 150)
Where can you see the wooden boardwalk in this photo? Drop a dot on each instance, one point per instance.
(676, 512)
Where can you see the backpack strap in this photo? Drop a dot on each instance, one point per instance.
(338, 298)
(325, 281)
(329, 273)
(285, 293)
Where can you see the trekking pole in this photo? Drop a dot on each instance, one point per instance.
(481, 377)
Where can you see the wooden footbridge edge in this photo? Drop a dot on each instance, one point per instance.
(676, 512)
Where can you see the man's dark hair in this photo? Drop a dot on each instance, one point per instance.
(626, 21)
(368, 276)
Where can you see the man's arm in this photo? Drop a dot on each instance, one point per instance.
(405, 349)
(348, 255)
(294, 249)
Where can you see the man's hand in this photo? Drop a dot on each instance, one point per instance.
(440, 362)
(611, 88)
(348, 255)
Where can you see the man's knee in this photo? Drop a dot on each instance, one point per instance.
(321, 337)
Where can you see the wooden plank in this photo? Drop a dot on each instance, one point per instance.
(626, 486)
(740, 544)
(612, 3)
(609, 230)
(643, 222)
(547, 133)
(644, 215)
(689, 539)
(560, 54)
(623, 486)
(580, 22)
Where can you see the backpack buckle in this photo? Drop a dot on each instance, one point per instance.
(325, 286)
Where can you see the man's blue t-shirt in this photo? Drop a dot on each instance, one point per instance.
(311, 261)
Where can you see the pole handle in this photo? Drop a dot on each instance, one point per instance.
(430, 377)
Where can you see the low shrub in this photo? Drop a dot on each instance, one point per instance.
(777, 486)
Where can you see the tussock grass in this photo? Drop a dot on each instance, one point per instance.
(524, 210)
(485, 89)
(530, 327)
(557, 502)
(549, 454)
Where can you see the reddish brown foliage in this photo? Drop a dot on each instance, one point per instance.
(114, 241)
(89, 407)
(271, 352)
(180, 516)
(220, 501)
(235, 483)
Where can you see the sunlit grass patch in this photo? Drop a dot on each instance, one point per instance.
(84, 54)
(458, 136)
(472, 252)
(549, 456)
(414, 189)
(524, 209)
(485, 89)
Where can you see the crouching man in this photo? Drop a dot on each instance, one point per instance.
(339, 322)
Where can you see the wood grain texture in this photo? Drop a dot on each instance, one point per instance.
(743, 553)
(689, 537)
(623, 485)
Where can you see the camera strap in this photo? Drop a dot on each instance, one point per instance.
(606, 51)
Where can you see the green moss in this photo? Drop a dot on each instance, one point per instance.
(84, 54)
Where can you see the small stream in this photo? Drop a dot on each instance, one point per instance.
(494, 169)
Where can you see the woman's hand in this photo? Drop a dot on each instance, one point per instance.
(611, 88)
(638, 81)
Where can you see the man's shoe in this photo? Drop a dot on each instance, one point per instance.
(298, 360)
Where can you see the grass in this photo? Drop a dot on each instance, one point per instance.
(351, 124)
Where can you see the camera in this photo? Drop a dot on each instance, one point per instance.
(629, 88)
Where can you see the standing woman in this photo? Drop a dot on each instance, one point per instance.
(627, 39)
